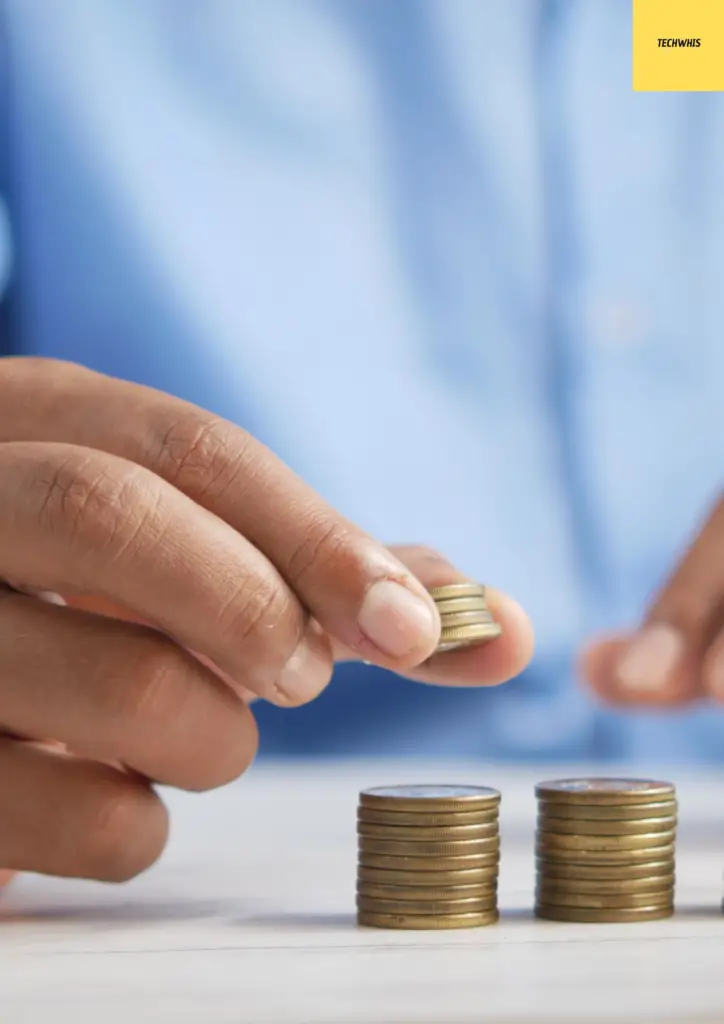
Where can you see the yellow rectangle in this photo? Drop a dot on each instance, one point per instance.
(678, 45)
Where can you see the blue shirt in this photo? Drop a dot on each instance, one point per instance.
(442, 259)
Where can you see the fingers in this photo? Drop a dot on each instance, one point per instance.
(486, 665)
(598, 666)
(358, 592)
(70, 817)
(678, 653)
(119, 693)
(74, 519)
(100, 606)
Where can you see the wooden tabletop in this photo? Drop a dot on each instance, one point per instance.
(249, 917)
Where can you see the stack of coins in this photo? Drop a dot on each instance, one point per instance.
(464, 616)
(428, 857)
(605, 850)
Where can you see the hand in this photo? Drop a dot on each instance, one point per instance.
(677, 656)
(202, 541)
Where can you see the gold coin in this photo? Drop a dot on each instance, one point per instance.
(582, 915)
(422, 892)
(430, 820)
(590, 843)
(610, 887)
(631, 901)
(445, 646)
(449, 590)
(472, 639)
(433, 908)
(415, 864)
(608, 812)
(603, 857)
(604, 872)
(604, 791)
(450, 605)
(424, 922)
(465, 848)
(424, 799)
(454, 620)
(577, 827)
(441, 833)
(472, 631)
(485, 876)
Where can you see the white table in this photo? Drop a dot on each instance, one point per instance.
(249, 917)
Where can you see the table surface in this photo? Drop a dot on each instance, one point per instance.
(249, 917)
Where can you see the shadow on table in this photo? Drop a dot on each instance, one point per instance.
(131, 912)
(699, 911)
(335, 922)
(297, 922)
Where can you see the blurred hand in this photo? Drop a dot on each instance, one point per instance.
(191, 537)
(677, 656)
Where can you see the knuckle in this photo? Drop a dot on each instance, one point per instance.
(200, 455)
(127, 834)
(324, 545)
(265, 608)
(71, 492)
(83, 499)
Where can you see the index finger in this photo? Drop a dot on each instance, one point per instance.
(352, 585)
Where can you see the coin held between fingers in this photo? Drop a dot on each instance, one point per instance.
(465, 619)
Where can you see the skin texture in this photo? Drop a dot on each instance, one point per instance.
(199, 574)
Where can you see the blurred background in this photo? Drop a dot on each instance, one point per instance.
(436, 254)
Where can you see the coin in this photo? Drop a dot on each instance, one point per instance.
(473, 631)
(450, 590)
(547, 896)
(441, 879)
(577, 827)
(417, 833)
(451, 605)
(604, 856)
(610, 887)
(416, 864)
(604, 872)
(608, 812)
(455, 619)
(430, 798)
(426, 922)
(604, 791)
(464, 848)
(429, 907)
(428, 820)
(589, 916)
(595, 843)
(422, 892)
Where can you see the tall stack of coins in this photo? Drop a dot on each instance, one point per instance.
(464, 616)
(428, 857)
(605, 850)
